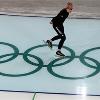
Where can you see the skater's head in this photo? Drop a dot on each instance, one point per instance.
(69, 6)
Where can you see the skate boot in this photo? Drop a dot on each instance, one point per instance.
(49, 43)
(60, 54)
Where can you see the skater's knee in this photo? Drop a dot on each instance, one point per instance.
(63, 37)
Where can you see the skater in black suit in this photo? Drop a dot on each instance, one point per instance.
(57, 23)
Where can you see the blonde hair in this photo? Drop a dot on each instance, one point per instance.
(69, 4)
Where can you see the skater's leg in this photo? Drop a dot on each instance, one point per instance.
(49, 42)
(63, 38)
(57, 36)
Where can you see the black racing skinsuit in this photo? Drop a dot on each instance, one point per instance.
(58, 26)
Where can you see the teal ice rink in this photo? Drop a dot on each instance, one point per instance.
(27, 64)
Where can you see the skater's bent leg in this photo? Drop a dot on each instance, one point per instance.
(55, 38)
(58, 32)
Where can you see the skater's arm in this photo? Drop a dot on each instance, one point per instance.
(59, 15)
(68, 8)
(61, 12)
(51, 22)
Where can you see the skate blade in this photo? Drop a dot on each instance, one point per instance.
(58, 56)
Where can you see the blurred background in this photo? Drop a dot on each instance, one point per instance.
(82, 8)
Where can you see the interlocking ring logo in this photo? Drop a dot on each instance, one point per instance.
(52, 64)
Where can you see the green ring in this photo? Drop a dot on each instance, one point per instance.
(83, 55)
(25, 74)
(74, 78)
(70, 58)
(14, 55)
(52, 64)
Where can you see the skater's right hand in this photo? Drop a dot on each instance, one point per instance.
(51, 22)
